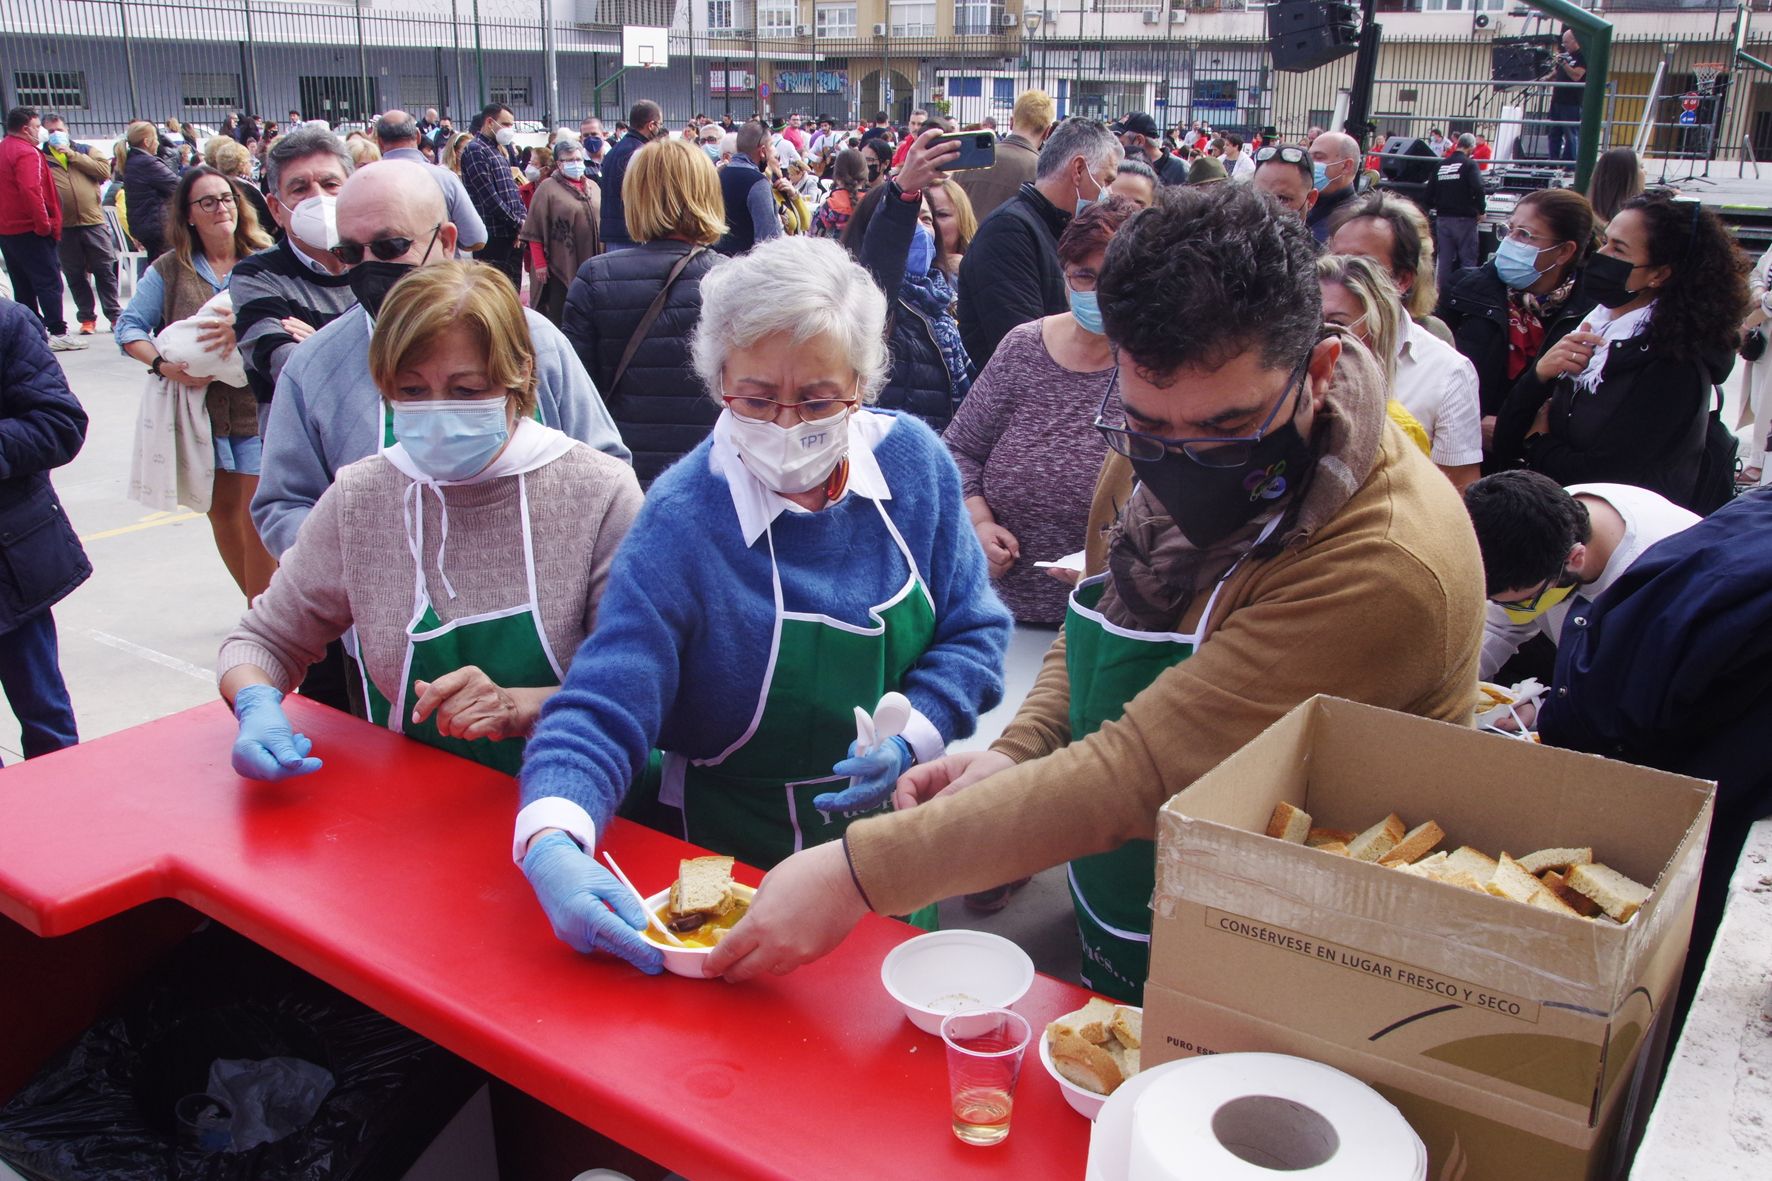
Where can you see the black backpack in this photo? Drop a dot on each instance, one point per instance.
(1715, 485)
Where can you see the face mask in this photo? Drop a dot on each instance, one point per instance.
(532, 174)
(1517, 263)
(1086, 311)
(574, 169)
(593, 146)
(505, 137)
(58, 139)
(1605, 280)
(712, 151)
(315, 221)
(1319, 175)
(451, 440)
(791, 459)
(372, 279)
(1523, 613)
(922, 255)
(1208, 504)
(1101, 194)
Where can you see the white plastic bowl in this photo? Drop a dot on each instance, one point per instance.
(679, 961)
(950, 971)
(1083, 1101)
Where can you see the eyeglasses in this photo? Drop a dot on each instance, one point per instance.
(1221, 453)
(1524, 610)
(767, 409)
(215, 201)
(1080, 281)
(1286, 154)
(386, 249)
(1522, 234)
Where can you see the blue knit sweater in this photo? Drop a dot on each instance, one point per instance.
(683, 632)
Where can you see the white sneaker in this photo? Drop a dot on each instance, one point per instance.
(65, 343)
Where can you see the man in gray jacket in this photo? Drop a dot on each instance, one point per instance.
(328, 412)
(398, 134)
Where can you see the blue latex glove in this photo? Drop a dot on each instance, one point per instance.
(590, 909)
(267, 747)
(872, 776)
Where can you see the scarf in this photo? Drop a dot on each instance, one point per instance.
(929, 292)
(1526, 314)
(1612, 327)
(1155, 572)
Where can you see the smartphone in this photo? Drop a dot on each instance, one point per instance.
(978, 149)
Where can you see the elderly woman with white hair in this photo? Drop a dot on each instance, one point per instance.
(810, 557)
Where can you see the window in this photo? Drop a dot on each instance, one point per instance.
(777, 17)
(1003, 91)
(720, 14)
(1215, 93)
(508, 91)
(978, 16)
(836, 20)
(55, 89)
(913, 20)
(418, 91)
(210, 90)
(965, 87)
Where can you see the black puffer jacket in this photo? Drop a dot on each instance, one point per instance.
(1475, 308)
(42, 426)
(918, 380)
(147, 186)
(661, 408)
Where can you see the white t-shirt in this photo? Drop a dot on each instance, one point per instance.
(1243, 167)
(1438, 385)
(1648, 518)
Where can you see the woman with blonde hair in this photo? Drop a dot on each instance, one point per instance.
(208, 230)
(1360, 300)
(234, 161)
(947, 214)
(629, 313)
(468, 557)
(452, 154)
(363, 150)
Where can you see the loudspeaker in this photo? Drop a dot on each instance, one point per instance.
(1515, 61)
(1305, 34)
(1405, 168)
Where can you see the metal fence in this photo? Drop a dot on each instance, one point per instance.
(101, 63)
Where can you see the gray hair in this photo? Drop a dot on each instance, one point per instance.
(814, 289)
(1077, 136)
(1467, 141)
(304, 141)
(567, 143)
(393, 131)
(1137, 168)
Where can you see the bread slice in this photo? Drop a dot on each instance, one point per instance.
(1083, 1062)
(1617, 895)
(1335, 847)
(1330, 836)
(1378, 840)
(1427, 867)
(1129, 1027)
(1094, 1022)
(1289, 823)
(1558, 859)
(1510, 881)
(703, 887)
(1126, 1058)
(1546, 899)
(1460, 878)
(1418, 843)
(1584, 906)
(1475, 862)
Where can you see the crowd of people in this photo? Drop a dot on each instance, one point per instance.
(635, 465)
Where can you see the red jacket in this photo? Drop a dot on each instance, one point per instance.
(28, 200)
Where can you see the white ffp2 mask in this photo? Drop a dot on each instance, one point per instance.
(791, 459)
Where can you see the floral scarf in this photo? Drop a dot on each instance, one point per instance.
(1526, 314)
(927, 289)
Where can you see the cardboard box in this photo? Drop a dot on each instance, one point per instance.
(1512, 1038)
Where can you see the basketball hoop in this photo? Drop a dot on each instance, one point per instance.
(1705, 75)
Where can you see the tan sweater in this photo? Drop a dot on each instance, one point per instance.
(1383, 605)
(351, 563)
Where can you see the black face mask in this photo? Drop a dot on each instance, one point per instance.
(372, 279)
(1208, 504)
(1605, 279)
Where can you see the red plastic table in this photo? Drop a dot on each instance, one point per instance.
(388, 874)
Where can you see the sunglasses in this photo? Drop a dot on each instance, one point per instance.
(1525, 610)
(385, 249)
(1218, 453)
(1286, 154)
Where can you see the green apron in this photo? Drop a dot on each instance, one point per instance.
(508, 645)
(754, 801)
(1108, 665)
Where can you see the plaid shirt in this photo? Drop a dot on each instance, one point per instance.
(486, 172)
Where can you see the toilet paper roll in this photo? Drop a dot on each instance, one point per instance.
(1244, 1117)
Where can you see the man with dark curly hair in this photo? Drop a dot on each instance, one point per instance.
(1261, 533)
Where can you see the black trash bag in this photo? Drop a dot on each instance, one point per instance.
(108, 1106)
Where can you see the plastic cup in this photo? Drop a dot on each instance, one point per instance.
(985, 1048)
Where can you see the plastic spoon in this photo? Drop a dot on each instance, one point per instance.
(891, 716)
(650, 916)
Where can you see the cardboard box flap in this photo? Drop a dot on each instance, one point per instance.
(1349, 765)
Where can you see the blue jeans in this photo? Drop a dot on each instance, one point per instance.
(36, 277)
(31, 675)
(1563, 141)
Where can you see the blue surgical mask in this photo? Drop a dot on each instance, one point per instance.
(1319, 175)
(452, 440)
(922, 253)
(712, 151)
(1101, 194)
(574, 169)
(1086, 310)
(58, 139)
(1517, 264)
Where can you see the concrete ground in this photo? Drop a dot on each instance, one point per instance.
(138, 640)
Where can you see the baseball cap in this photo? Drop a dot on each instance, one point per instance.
(1138, 123)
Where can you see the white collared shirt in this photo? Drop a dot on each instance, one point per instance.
(309, 261)
(1438, 385)
(758, 505)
